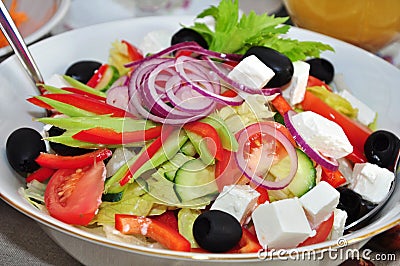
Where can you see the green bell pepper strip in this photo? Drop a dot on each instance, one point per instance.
(82, 102)
(152, 155)
(83, 87)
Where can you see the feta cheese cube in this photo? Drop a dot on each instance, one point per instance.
(155, 41)
(320, 202)
(281, 224)
(237, 200)
(339, 221)
(365, 114)
(322, 134)
(371, 181)
(297, 87)
(251, 72)
(57, 81)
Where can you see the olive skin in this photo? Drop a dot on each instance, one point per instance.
(381, 148)
(322, 69)
(354, 205)
(217, 231)
(279, 63)
(188, 35)
(62, 149)
(83, 70)
(22, 148)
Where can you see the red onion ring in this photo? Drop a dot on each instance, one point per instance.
(267, 129)
(180, 62)
(190, 46)
(330, 164)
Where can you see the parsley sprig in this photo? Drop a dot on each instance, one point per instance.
(236, 35)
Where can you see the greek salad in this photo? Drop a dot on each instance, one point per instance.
(229, 139)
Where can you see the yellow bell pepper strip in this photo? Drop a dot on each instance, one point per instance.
(54, 161)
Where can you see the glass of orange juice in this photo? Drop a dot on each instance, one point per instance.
(369, 24)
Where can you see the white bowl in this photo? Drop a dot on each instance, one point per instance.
(43, 16)
(372, 79)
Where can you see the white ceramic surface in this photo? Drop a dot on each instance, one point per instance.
(43, 16)
(373, 80)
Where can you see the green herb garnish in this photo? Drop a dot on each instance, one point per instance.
(236, 35)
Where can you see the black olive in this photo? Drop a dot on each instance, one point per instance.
(382, 148)
(62, 149)
(279, 63)
(216, 231)
(22, 148)
(83, 70)
(355, 206)
(322, 69)
(188, 35)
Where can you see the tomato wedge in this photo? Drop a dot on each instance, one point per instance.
(74, 195)
(156, 230)
(322, 233)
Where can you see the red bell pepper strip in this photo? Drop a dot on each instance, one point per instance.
(85, 93)
(209, 134)
(168, 218)
(39, 103)
(264, 197)
(156, 230)
(356, 133)
(281, 105)
(54, 161)
(41, 175)
(133, 52)
(95, 79)
(334, 178)
(247, 244)
(313, 81)
(108, 136)
(146, 155)
(87, 104)
(322, 233)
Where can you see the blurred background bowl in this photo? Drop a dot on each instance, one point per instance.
(369, 24)
(42, 16)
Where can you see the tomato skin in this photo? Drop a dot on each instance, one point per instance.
(74, 195)
(322, 232)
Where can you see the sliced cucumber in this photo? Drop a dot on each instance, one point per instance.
(201, 148)
(228, 140)
(193, 180)
(188, 149)
(171, 166)
(170, 147)
(303, 181)
(110, 76)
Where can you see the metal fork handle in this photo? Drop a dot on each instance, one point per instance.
(19, 46)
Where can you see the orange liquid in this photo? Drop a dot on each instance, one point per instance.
(370, 24)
